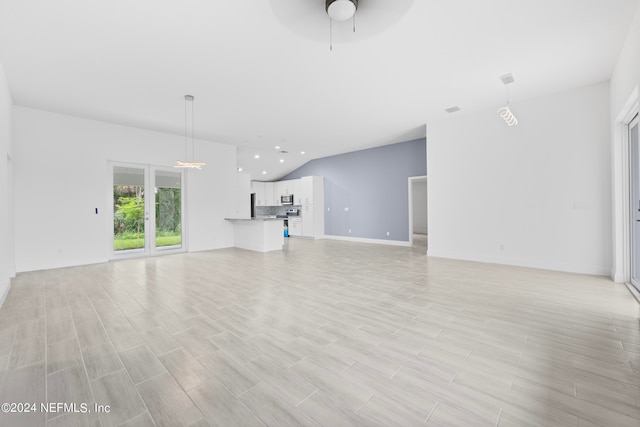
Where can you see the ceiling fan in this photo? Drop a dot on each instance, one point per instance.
(312, 18)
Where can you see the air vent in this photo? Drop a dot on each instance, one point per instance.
(507, 79)
(453, 109)
(284, 152)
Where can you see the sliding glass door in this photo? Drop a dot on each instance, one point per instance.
(147, 210)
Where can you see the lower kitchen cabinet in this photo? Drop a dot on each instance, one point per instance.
(295, 226)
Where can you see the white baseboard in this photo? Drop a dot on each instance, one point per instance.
(518, 262)
(4, 292)
(365, 240)
(616, 276)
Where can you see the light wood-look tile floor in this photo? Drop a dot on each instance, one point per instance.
(324, 333)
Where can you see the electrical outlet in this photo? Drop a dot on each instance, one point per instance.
(349, 231)
(346, 209)
(387, 233)
(502, 246)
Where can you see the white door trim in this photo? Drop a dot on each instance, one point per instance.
(621, 257)
(411, 181)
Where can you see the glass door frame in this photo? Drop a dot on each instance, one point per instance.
(150, 248)
(634, 199)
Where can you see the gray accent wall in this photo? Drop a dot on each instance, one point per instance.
(367, 191)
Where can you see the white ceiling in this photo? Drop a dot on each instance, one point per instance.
(263, 74)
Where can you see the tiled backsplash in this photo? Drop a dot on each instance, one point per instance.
(275, 210)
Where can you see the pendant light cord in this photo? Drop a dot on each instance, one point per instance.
(186, 132)
(193, 130)
(330, 33)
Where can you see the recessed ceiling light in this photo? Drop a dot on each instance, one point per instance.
(257, 156)
(302, 152)
(281, 160)
(239, 169)
(277, 147)
(264, 172)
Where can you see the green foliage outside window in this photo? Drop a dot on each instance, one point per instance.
(129, 217)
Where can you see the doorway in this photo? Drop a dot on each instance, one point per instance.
(147, 207)
(634, 215)
(418, 219)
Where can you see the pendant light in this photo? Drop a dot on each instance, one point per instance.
(505, 112)
(188, 99)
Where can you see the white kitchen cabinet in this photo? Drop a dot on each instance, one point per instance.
(296, 226)
(277, 192)
(286, 187)
(258, 188)
(306, 190)
(296, 188)
(311, 186)
(312, 200)
(264, 193)
(268, 194)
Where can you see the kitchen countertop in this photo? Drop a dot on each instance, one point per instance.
(259, 218)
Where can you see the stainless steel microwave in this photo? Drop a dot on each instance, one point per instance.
(286, 200)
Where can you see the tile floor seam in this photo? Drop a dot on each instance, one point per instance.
(119, 359)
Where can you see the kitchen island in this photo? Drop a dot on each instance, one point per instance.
(261, 234)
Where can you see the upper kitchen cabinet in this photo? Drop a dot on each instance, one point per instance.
(311, 188)
(264, 193)
(287, 187)
(268, 194)
(277, 192)
(296, 190)
(257, 187)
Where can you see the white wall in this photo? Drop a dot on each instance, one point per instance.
(6, 205)
(624, 82)
(541, 190)
(61, 172)
(243, 191)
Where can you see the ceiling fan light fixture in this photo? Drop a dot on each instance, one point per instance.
(341, 10)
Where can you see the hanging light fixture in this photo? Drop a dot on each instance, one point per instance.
(340, 10)
(505, 112)
(188, 99)
(507, 115)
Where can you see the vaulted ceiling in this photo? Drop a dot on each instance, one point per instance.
(264, 76)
